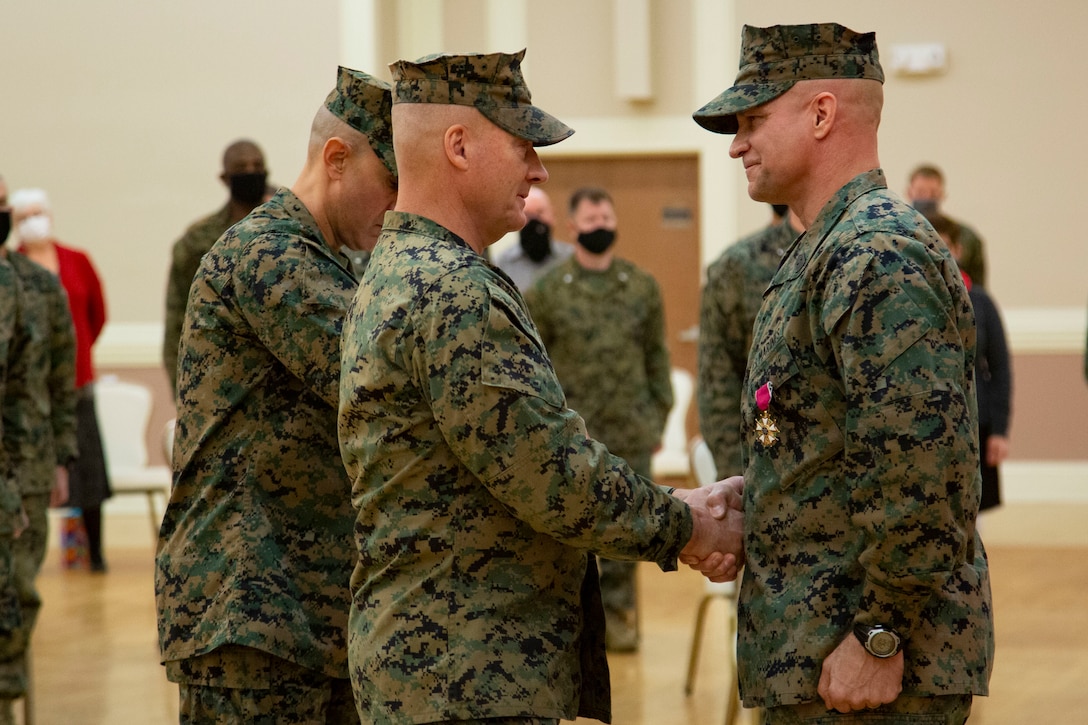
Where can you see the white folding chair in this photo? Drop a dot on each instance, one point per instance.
(705, 473)
(124, 414)
(671, 459)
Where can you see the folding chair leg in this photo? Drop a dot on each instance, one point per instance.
(154, 518)
(696, 641)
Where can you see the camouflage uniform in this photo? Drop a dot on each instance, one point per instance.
(479, 494)
(605, 335)
(864, 510)
(48, 412)
(256, 548)
(16, 439)
(188, 250)
(735, 283)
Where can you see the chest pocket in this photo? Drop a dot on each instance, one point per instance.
(808, 436)
(513, 356)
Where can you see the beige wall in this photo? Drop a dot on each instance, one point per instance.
(121, 109)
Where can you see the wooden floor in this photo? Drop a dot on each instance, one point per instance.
(96, 657)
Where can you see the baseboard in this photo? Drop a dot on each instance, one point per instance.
(1045, 482)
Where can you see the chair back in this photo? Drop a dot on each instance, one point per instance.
(675, 437)
(124, 413)
(702, 462)
(671, 460)
(168, 440)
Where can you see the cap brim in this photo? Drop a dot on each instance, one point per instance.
(530, 123)
(720, 115)
(384, 152)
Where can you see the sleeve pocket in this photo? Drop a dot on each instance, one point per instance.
(513, 357)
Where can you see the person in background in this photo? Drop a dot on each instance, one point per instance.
(88, 481)
(735, 283)
(602, 321)
(245, 176)
(16, 445)
(537, 251)
(256, 548)
(479, 493)
(866, 595)
(48, 411)
(926, 193)
(993, 373)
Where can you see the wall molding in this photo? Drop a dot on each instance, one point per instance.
(1044, 481)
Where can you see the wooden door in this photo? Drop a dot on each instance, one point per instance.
(657, 209)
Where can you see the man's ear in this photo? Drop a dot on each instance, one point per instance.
(335, 156)
(455, 142)
(824, 107)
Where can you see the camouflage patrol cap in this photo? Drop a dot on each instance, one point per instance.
(365, 103)
(491, 83)
(773, 59)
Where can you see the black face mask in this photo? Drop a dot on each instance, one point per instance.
(536, 240)
(248, 188)
(5, 225)
(928, 207)
(597, 241)
(781, 209)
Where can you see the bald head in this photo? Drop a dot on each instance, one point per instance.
(538, 205)
(327, 125)
(241, 156)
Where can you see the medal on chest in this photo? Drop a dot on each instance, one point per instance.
(766, 429)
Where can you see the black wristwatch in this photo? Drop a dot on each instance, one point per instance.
(878, 640)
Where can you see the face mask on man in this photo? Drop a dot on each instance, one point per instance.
(597, 240)
(248, 188)
(35, 228)
(536, 240)
(5, 225)
(927, 207)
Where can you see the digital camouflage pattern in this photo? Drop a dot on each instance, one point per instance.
(185, 261)
(864, 510)
(256, 546)
(364, 102)
(735, 283)
(491, 83)
(479, 495)
(13, 372)
(605, 335)
(773, 59)
(14, 393)
(47, 411)
(242, 685)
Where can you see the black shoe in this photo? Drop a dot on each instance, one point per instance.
(98, 567)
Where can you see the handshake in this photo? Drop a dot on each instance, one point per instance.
(716, 547)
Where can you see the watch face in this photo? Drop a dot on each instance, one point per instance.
(882, 644)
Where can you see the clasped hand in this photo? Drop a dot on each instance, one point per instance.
(716, 547)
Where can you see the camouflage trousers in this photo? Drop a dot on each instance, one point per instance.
(618, 577)
(27, 554)
(944, 710)
(244, 686)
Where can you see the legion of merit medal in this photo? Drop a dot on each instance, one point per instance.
(766, 429)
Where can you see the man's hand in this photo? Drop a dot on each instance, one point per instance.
(716, 547)
(852, 679)
(59, 495)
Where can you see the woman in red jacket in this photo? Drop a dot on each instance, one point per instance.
(88, 483)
